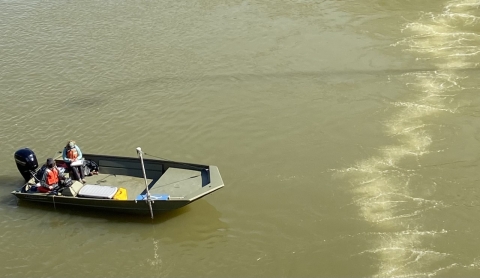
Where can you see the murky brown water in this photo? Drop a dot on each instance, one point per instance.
(346, 132)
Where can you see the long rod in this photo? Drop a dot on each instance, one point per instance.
(149, 201)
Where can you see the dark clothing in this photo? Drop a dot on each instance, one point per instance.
(77, 172)
(70, 154)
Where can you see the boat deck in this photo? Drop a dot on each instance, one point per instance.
(175, 182)
(134, 186)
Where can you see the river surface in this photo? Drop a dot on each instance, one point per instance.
(346, 132)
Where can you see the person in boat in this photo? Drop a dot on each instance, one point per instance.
(72, 153)
(51, 177)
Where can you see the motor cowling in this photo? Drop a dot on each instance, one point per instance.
(26, 162)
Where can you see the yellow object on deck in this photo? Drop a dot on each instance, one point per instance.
(121, 194)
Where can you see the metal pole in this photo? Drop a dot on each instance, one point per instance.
(149, 200)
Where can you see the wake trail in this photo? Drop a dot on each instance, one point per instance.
(381, 188)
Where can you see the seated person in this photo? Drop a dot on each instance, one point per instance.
(72, 153)
(51, 177)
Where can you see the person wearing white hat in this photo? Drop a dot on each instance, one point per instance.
(72, 153)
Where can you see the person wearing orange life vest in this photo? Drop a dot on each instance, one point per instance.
(72, 153)
(51, 177)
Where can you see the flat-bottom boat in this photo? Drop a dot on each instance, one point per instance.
(124, 184)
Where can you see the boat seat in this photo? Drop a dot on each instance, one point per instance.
(97, 191)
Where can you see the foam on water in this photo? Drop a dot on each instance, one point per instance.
(380, 187)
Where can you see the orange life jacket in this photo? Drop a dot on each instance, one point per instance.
(52, 176)
(72, 153)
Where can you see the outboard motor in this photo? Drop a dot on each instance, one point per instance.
(26, 162)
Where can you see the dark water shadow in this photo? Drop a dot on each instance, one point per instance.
(109, 216)
(194, 223)
(9, 201)
(21, 207)
(7, 185)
